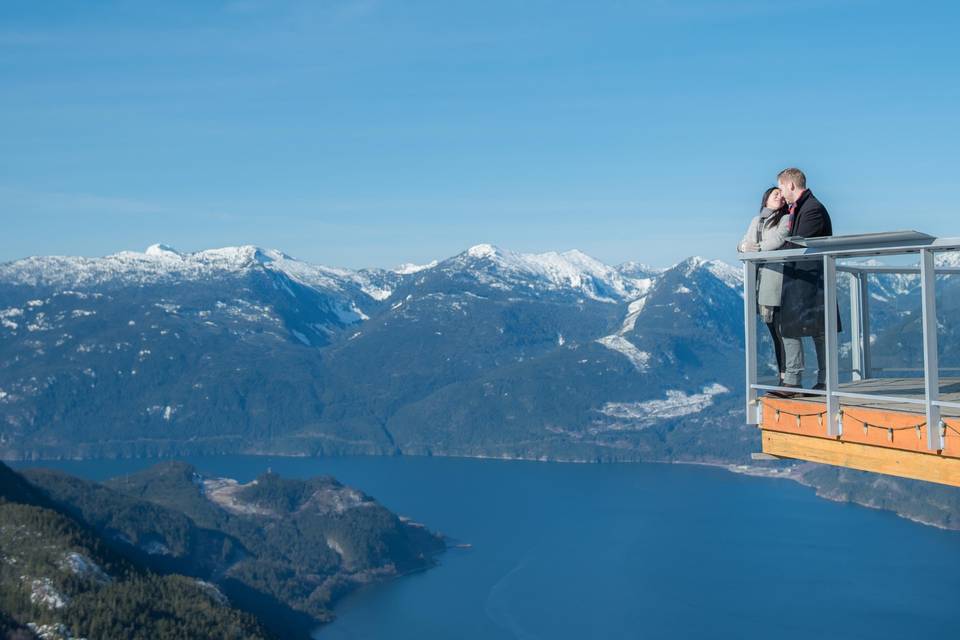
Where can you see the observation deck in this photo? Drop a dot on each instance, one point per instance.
(901, 418)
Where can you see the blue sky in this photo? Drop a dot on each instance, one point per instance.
(374, 132)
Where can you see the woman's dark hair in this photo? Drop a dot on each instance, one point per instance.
(779, 213)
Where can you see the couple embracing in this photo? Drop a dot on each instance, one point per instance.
(790, 295)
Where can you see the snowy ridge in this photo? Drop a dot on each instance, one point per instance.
(162, 263)
(502, 269)
(408, 268)
(948, 259)
(553, 271)
(729, 275)
(330, 278)
(641, 270)
(888, 286)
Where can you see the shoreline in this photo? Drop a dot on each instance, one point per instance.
(791, 473)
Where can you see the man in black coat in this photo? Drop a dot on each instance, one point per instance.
(801, 310)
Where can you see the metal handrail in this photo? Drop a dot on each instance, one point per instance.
(860, 251)
(859, 323)
(855, 268)
(902, 369)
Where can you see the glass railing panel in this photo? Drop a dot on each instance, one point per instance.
(948, 331)
(892, 302)
(768, 356)
(766, 359)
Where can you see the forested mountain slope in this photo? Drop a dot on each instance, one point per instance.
(170, 553)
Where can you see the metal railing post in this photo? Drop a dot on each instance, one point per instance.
(830, 343)
(864, 290)
(856, 331)
(750, 337)
(931, 363)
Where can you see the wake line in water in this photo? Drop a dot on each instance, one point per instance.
(497, 606)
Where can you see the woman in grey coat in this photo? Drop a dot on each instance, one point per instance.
(768, 231)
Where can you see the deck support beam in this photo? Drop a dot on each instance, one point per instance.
(750, 338)
(895, 462)
(865, 324)
(860, 325)
(931, 363)
(830, 344)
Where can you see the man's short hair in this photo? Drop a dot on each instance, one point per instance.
(793, 175)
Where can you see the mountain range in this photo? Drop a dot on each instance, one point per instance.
(487, 353)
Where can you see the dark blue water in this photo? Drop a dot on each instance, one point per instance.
(632, 551)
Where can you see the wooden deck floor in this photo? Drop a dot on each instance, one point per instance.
(894, 388)
(878, 435)
(901, 387)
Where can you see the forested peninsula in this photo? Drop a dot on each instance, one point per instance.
(171, 553)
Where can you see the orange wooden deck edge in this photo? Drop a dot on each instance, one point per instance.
(878, 434)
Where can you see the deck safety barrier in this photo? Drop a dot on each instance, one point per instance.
(828, 251)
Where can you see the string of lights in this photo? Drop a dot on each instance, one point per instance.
(846, 415)
(950, 427)
(798, 416)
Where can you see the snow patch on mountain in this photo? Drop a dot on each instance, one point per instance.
(44, 594)
(6, 314)
(639, 359)
(156, 548)
(408, 268)
(634, 309)
(81, 565)
(223, 492)
(213, 591)
(640, 415)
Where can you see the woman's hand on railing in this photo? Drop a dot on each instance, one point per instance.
(748, 246)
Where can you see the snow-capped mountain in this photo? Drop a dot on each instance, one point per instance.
(246, 347)
(489, 352)
(570, 272)
(638, 270)
(161, 263)
(695, 302)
